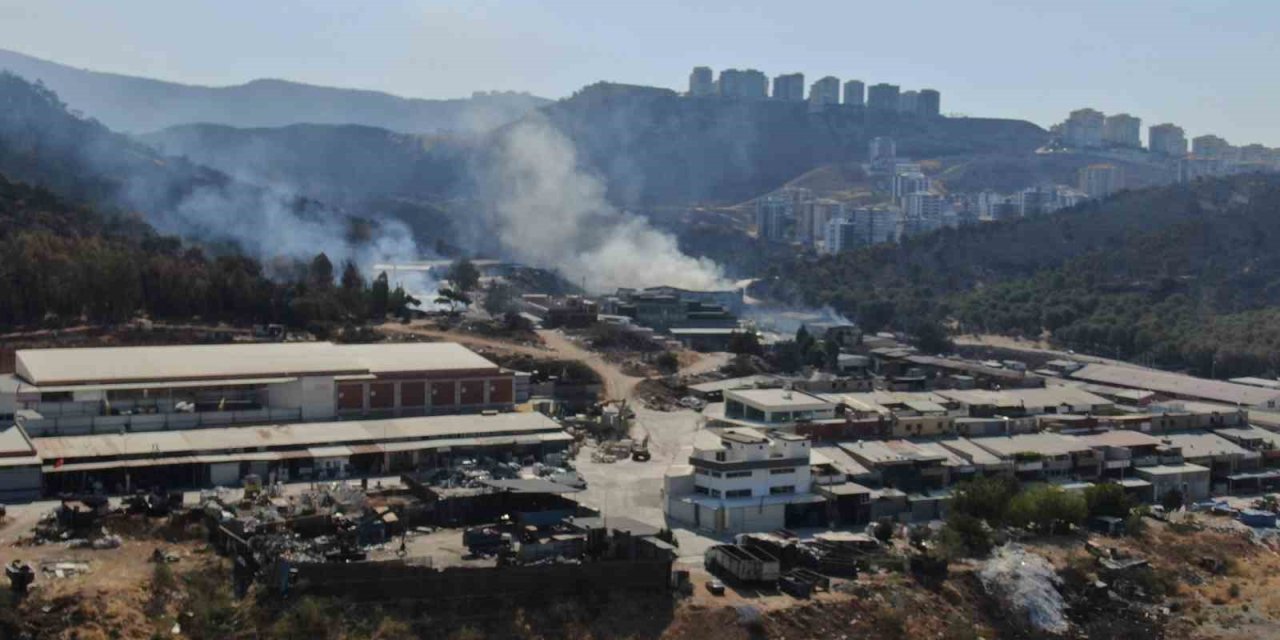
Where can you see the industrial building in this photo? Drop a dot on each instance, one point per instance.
(108, 390)
(123, 417)
(1176, 385)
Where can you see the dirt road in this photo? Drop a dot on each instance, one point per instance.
(429, 330)
(617, 385)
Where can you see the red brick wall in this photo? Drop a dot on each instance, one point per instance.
(350, 396)
(473, 392)
(500, 391)
(382, 395)
(413, 394)
(442, 393)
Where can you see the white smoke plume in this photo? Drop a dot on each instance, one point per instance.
(265, 224)
(548, 212)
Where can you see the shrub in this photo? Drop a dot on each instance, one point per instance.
(667, 362)
(883, 530)
(1047, 509)
(964, 536)
(985, 498)
(1172, 500)
(1107, 499)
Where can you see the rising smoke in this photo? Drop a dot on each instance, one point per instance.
(548, 212)
(270, 223)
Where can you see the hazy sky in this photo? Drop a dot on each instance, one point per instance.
(1206, 65)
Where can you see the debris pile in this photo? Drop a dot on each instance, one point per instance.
(1026, 583)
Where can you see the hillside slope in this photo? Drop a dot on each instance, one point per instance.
(133, 104)
(332, 162)
(654, 146)
(42, 143)
(1182, 276)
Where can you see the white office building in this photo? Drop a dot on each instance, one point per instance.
(742, 480)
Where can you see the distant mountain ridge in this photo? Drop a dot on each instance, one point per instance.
(137, 105)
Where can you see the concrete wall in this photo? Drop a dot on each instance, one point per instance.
(20, 484)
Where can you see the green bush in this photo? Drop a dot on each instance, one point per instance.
(1047, 509)
(964, 536)
(985, 498)
(1107, 499)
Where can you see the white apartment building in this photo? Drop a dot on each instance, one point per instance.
(1167, 139)
(1122, 130)
(855, 93)
(1083, 128)
(882, 151)
(742, 480)
(908, 182)
(701, 82)
(1101, 180)
(824, 92)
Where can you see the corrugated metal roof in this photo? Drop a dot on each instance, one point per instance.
(1177, 384)
(230, 382)
(217, 440)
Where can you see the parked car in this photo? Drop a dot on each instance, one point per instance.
(715, 587)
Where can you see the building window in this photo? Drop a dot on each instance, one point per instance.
(715, 493)
(702, 472)
(782, 491)
(738, 493)
(700, 489)
(782, 471)
(737, 474)
(719, 456)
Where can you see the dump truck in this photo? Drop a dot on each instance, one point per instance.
(743, 563)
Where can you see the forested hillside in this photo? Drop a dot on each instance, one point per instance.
(1180, 276)
(62, 264)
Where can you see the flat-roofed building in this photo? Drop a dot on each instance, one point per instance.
(20, 477)
(1220, 455)
(1046, 400)
(97, 390)
(1191, 480)
(1123, 451)
(1177, 385)
(1044, 455)
(222, 456)
(743, 480)
(775, 408)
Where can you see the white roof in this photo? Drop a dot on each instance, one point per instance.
(1177, 384)
(397, 357)
(132, 365)
(1199, 444)
(779, 398)
(1118, 438)
(970, 451)
(193, 362)
(1031, 398)
(1043, 443)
